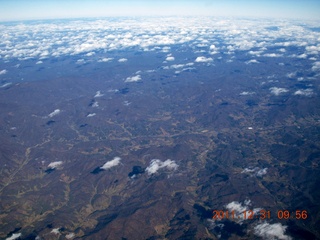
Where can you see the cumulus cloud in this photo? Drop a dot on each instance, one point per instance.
(157, 164)
(212, 47)
(3, 72)
(54, 165)
(14, 236)
(91, 114)
(170, 58)
(271, 231)
(54, 113)
(277, 91)
(98, 94)
(39, 62)
(203, 59)
(122, 60)
(133, 79)
(114, 162)
(304, 92)
(255, 171)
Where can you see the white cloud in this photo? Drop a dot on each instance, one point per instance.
(39, 62)
(55, 231)
(212, 47)
(14, 236)
(54, 165)
(246, 93)
(95, 104)
(203, 59)
(271, 231)
(114, 162)
(316, 66)
(3, 72)
(252, 61)
(304, 92)
(170, 58)
(262, 172)
(89, 54)
(91, 114)
(255, 171)
(122, 60)
(291, 75)
(277, 91)
(81, 61)
(272, 55)
(302, 56)
(157, 164)
(105, 60)
(70, 235)
(133, 79)
(238, 207)
(5, 85)
(98, 94)
(126, 103)
(54, 113)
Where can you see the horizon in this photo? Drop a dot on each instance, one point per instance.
(48, 10)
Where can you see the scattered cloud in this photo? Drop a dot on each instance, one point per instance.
(126, 103)
(203, 59)
(98, 94)
(54, 165)
(114, 162)
(304, 92)
(239, 208)
(5, 85)
(170, 58)
(133, 79)
(246, 93)
(14, 236)
(3, 72)
(91, 114)
(70, 236)
(316, 66)
(277, 91)
(55, 231)
(259, 172)
(157, 164)
(122, 60)
(252, 61)
(39, 62)
(105, 60)
(271, 231)
(95, 104)
(54, 113)
(272, 55)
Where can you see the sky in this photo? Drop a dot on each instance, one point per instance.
(53, 9)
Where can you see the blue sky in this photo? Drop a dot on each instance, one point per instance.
(42, 9)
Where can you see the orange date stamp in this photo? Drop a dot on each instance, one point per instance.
(261, 214)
